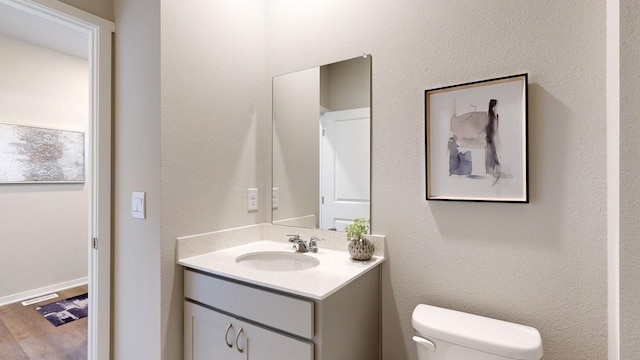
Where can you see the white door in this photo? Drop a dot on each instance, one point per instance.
(345, 167)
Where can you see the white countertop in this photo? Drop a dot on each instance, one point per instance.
(336, 269)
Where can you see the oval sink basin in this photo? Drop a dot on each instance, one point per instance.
(277, 261)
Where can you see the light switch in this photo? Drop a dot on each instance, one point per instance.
(137, 205)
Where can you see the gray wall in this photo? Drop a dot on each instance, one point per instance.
(629, 184)
(136, 132)
(541, 264)
(347, 84)
(43, 225)
(296, 115)
(216, 131)
(101, 8)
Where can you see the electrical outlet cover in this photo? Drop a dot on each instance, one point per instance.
(252, 199)
(274, 198)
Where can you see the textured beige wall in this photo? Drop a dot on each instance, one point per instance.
(629, 184)
(296, 174)
(101, 8)
(216, 131)
(136, 243)
(348, 84)
(541, 264)
(43, 225)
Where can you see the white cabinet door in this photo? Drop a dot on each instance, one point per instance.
(263, 344)
(210, 335)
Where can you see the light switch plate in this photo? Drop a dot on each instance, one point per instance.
(138, 205)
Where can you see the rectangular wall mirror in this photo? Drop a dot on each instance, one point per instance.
(322, 145)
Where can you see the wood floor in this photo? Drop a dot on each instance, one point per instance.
(27, 335)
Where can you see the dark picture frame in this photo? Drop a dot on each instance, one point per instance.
(476, 141)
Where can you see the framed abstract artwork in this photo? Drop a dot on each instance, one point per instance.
(476, 141)
(39, 155)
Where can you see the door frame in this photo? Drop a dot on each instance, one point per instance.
(100, 33)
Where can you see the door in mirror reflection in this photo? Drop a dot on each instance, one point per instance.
(321, 145)
(345, 169)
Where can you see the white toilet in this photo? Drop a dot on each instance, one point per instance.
(445, 334)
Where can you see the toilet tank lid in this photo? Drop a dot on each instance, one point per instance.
(478, 332)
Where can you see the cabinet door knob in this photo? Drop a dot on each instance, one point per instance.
(226, 336)
(238, 345)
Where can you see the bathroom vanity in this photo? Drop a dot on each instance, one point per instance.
(262, 301)
(250, 298)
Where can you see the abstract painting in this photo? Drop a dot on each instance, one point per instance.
(476, 141)
(36, 155)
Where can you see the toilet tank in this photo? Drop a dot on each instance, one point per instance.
(444, 334)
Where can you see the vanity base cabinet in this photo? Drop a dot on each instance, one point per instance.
(292, 315)
(273, 325)
(211, 335)
(348, 323)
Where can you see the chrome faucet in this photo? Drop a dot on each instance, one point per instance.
(301, 246)
(298, 244)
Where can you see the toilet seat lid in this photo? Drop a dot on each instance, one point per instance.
(478, 332)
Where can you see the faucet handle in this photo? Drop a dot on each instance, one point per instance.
(294, 237)
(313, 244)
(299, 245)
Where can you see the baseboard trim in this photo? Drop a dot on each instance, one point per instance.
(10, 299)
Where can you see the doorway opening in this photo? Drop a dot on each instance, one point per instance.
(78, 34)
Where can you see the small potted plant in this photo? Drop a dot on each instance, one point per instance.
(360, 248)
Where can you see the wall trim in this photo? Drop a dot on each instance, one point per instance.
(10, 299)
(613, 176)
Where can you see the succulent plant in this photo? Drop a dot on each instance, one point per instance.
(358, 229)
